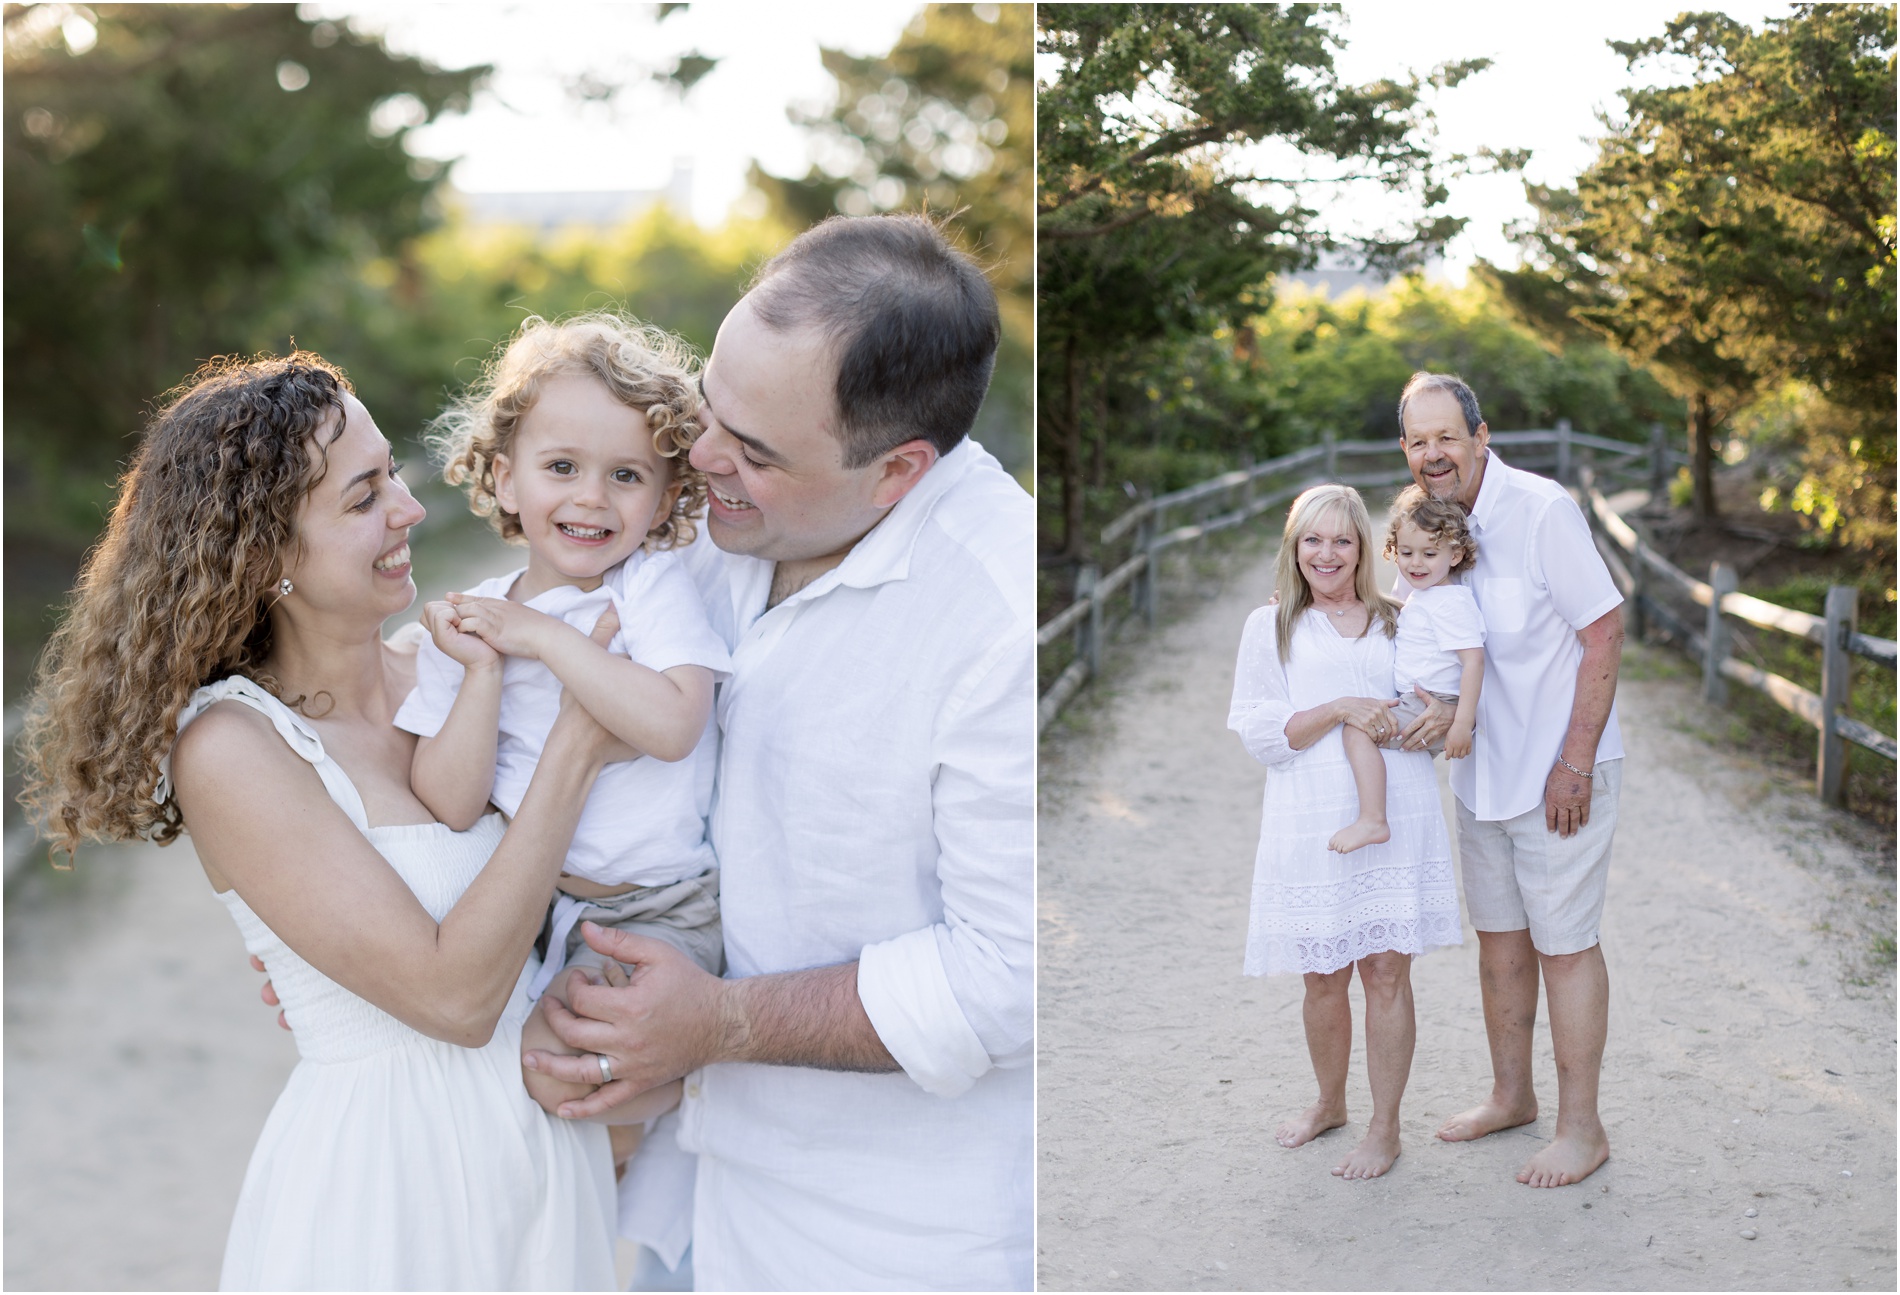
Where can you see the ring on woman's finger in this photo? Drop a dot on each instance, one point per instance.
(606, 1068)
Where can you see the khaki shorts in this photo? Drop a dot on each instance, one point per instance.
(685, 914)
(1409, 709)
(1520, 875)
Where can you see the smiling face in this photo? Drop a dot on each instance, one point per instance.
(1329, 555)
(352, 553)
(780, 490)
(1446, 459)
(1423, 560)
(585, 481)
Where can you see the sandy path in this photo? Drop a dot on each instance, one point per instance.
(1746, 1065)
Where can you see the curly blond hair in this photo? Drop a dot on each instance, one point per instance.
(646, 369)
(176, 593)
(1442, 521)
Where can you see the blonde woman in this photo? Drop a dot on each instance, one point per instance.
(222, 669)
(1315, 663)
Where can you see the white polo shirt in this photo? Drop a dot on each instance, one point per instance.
(1538, 580)
(876, 802)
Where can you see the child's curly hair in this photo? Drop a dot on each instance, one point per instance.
(1441, 520)
(646, 368)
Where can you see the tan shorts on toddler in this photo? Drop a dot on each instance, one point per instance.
(685, 914)
(1409, 709)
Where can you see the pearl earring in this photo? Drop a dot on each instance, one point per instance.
(284, 587)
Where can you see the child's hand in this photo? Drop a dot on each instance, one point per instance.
(509, 628)
(1458, 741)
(459, 645)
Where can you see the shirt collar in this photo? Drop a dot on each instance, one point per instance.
(883, 554)
(1490, 489)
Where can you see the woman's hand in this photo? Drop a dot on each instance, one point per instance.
(1370, 715)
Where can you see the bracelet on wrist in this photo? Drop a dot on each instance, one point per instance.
(1581, 773)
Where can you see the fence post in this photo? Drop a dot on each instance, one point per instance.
(1143, 593)
(1246, 486)
(1715, 649)
(1658, 467)
(1563, 451)
(1152, 588)
(1831, 767)
(1639, 591)
(1332, 454)
(1088, 630)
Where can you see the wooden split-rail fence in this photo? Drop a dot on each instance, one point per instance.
(1645, 575)
(1124, 583)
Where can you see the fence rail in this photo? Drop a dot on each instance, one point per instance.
(1236, 497)
(1640, 571)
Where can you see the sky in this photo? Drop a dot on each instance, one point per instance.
(1552, 73)
(527, 133)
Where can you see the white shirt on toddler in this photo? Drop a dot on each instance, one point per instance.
(1433, 625)
(644, 823)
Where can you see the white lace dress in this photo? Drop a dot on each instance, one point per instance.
(394, 1161)
(1313, 909)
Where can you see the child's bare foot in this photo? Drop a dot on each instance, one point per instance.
(1364, 832)
(1485, 1119)
(1309, 1124)
(1374, 1155)
(1569, 1158)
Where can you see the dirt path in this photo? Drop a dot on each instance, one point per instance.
(1751, 1058)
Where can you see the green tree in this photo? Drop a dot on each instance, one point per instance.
(174, 174)
(942, 123)
(1737, 231)
(1149, 229)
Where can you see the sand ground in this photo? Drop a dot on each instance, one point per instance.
(1751, 1058)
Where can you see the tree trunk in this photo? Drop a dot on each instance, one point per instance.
(1072, 466)
(1702, 457)
(1098, 471)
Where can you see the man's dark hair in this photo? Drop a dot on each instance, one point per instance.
(1450, 383)
(911, 319)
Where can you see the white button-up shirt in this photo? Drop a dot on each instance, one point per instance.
(1538, 580)
(875, 802)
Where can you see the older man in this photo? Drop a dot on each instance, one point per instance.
(1537, 799)
(858, 1092)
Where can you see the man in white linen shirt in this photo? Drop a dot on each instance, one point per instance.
(1537, 799)
(858, 1090)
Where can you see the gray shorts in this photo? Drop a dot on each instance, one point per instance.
(685, 914)
(1409, 709)
(1521, 875)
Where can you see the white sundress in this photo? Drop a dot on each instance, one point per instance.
(394, 1161)
(1315, 910)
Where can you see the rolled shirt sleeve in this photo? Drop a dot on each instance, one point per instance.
(438, 679)
(952, 1000)
(1261, 706)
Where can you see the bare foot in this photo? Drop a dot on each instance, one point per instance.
(1364, 832)
(1309, 1124)
(1568, 1159)
(1481, 1121)
(1372, 1157)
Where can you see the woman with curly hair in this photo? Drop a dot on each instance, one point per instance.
(222, 670)
(574, 443)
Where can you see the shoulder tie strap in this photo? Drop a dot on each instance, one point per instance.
(296, 731)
